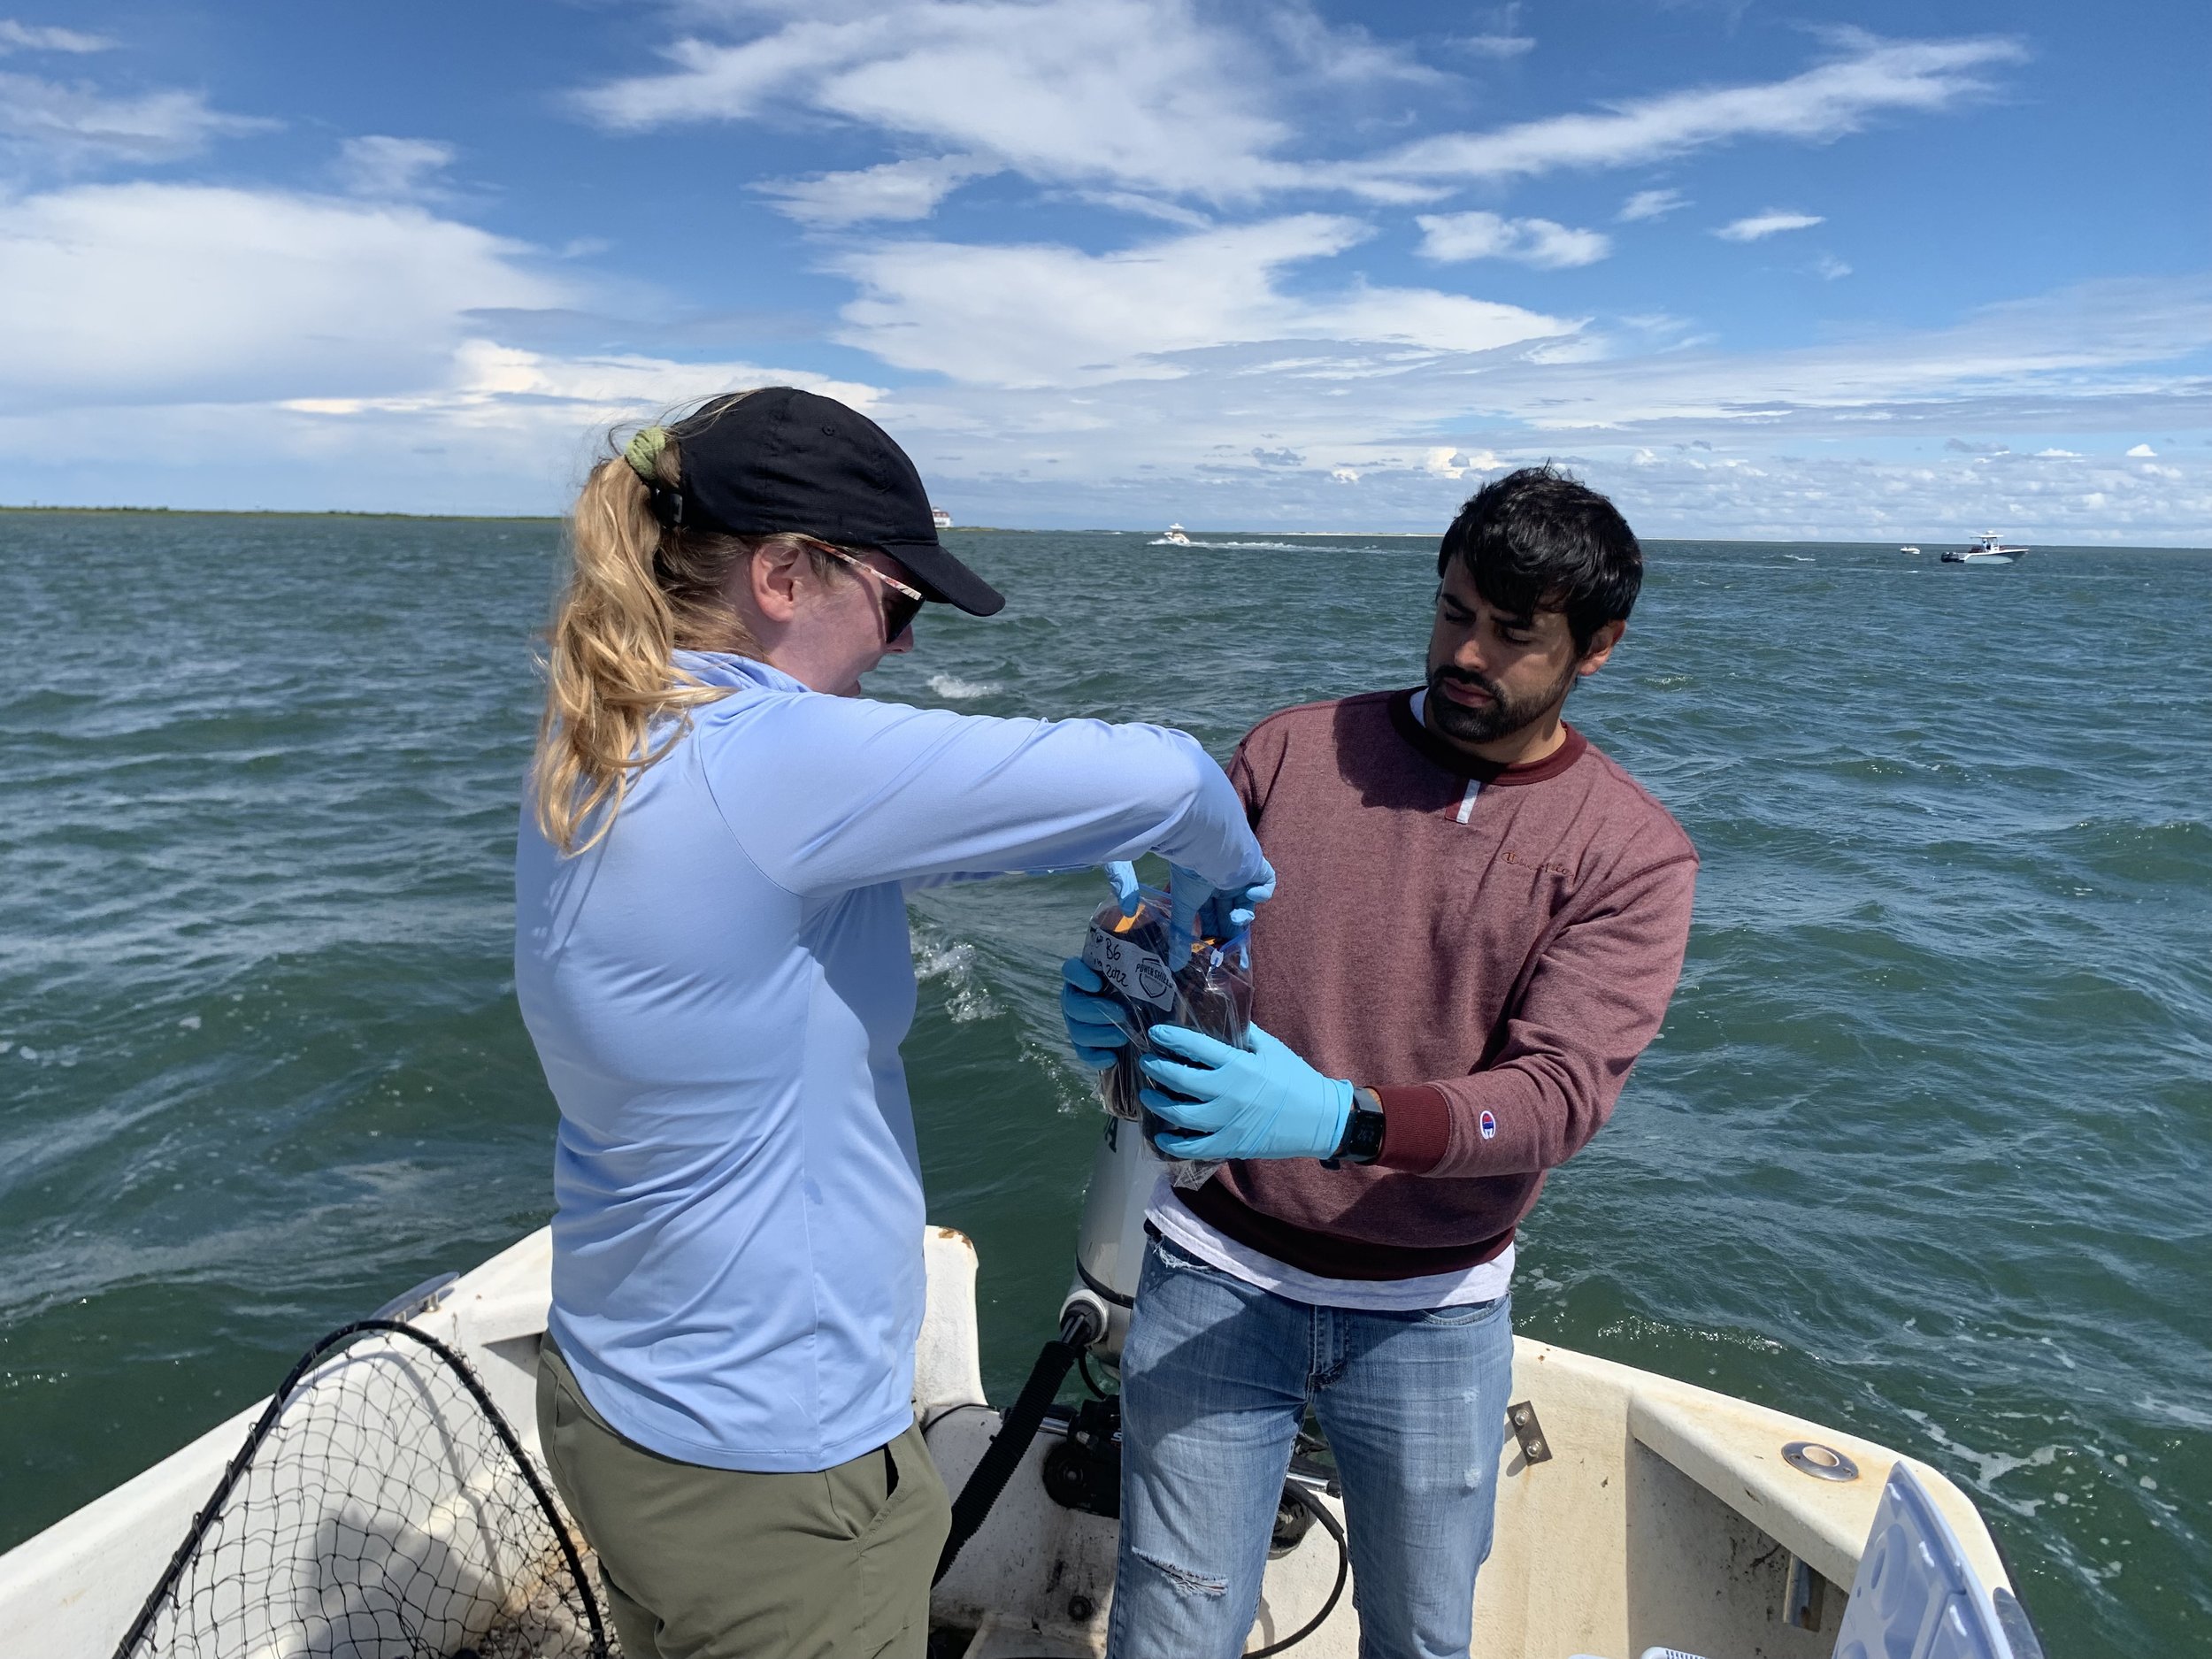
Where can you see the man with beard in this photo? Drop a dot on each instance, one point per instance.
(1479, 921)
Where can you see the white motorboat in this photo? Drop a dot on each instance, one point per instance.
(939, 517)
(1175, 536)
(1988, 548)
(1635, 1515)
(1911, 550)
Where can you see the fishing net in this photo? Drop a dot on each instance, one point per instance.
(381, 1508)
(1202, 984)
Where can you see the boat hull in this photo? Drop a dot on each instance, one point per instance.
(1646, 1512)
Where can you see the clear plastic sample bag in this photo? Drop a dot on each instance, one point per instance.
(1210, 990)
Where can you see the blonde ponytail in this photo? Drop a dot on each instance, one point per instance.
(637, 592)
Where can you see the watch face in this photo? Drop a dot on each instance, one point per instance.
(1367, 1135)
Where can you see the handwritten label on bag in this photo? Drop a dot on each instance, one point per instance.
(1136, 973)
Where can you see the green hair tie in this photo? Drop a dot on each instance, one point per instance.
(644, 453)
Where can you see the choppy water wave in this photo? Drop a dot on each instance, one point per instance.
(1261, 547)
(955, 689)
(949, 965)
(1922, 1151)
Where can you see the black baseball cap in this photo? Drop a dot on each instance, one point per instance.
(780, 459)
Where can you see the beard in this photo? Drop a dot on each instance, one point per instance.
(1501, 716)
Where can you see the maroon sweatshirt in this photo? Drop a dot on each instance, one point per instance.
(1489, 948)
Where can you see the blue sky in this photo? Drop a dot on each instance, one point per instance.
(1864, 272)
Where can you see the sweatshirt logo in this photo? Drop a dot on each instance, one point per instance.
(1489, 1126)
(1549, 868)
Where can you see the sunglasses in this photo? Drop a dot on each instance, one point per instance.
(901, 603)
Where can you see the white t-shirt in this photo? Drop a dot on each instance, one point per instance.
(1486, 1281)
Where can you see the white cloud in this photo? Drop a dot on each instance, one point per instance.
(1137, 451)
(1448, 237)
(394, 168)
(2142, 451)
(2081, 346)
(1651, 205)
(500, 430)
(1041, 315)
(1833, 441)
(497, 383)
(1449, 461)
(30, 37)
(151, 293)
(1146, 207)
(195, 345)
(1496, 45)
(71, 125)
(1831, 267)
(1841, 441)
(1821, 104)
(1150, 96)
(1770, 223)
(1316, 53)
(2057, 455)
(1137, 93)
(712, 82)
(895, 190)
(1867, 498)
(182, 325)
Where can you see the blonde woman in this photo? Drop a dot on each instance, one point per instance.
(711, 957)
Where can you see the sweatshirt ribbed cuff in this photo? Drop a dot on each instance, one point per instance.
(1417, 1128)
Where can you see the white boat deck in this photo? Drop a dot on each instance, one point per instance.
(1664, 1514)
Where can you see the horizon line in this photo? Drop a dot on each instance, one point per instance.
(995, 529)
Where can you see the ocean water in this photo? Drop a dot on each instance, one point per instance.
(1922, 1152)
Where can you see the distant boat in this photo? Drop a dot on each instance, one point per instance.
(1175, 536)
(1988, 548)
(939, 517)
(1913, 550)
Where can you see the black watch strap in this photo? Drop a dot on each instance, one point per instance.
(1363, 1140)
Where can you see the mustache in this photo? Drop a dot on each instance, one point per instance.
(1466, 677)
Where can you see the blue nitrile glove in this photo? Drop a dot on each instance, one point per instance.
(1197, 908)
(1121, 875)
(1093, 1021)
(1266, 1104)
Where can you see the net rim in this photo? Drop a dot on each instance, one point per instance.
(236, 1470)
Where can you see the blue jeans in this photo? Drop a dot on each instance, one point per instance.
(1215, 1379)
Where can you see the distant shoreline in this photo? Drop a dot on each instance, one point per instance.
(281, 512)
(1938, 541)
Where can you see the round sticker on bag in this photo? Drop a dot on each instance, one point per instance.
(1489, 1126)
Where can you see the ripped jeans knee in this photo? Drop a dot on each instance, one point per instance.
(1185, 1581)
(1163, 1610)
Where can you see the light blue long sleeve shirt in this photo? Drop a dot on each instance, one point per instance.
(718, 991)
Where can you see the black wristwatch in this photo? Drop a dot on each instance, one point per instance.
(1363, 1141)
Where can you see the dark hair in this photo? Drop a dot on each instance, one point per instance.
(1538, 540)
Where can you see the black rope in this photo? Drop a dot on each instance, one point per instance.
(1083, 1365)
(1329, 1524)
(236, 1472)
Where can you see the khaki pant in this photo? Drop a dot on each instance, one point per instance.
(717, 1563)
